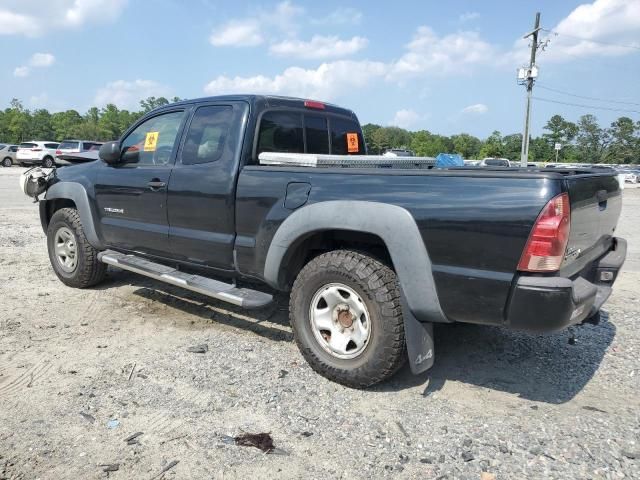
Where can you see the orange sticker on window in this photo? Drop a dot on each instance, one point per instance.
(352, 143)
(150, 141)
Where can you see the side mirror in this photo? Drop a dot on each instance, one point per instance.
(110, 152)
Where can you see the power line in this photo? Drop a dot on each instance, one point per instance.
(586, 97)
(635, 47)
(595, 107)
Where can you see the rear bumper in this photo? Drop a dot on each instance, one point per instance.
(554, 303)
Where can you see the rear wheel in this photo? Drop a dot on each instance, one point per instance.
(346, 318)
(7, 162)
(73, 259)
(47, 162)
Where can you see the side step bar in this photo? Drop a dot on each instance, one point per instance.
(243, 297)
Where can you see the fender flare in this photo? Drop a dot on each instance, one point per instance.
(393, 224)
(77, 193)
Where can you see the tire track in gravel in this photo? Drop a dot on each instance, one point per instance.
(26, 379)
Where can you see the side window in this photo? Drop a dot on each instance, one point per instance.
(346, 137)
(281, 132)
(151, 143)
(207, 135)
(317, 134)
(13, 149)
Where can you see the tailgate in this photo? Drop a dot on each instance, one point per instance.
(596, 201)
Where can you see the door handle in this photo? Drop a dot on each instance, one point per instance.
(156, 184)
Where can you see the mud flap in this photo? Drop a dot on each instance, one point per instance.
(419, 338)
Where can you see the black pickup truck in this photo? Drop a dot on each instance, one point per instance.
(373, 257)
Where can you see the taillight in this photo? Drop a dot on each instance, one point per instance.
(58, 152)
(547, 242)
(314, 104)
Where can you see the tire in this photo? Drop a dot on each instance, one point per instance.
(47, 162)
(6, 162)
(65, 231)
(365, 285)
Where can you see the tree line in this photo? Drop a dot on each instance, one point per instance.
(583, 141)
(18, 124)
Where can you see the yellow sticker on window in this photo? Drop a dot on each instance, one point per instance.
(352, 143)
(150, 141)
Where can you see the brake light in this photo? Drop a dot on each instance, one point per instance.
(547, 242)
(314, 104)
(58, 152)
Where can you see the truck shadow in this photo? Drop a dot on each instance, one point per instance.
(271, 322)
(543, 368)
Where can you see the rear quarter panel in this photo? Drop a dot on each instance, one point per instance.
(474, 227)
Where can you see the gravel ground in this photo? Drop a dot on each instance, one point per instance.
(80, 371)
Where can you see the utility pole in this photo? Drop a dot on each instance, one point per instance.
(527, 76)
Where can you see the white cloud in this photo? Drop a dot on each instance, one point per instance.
(405, 118)
(37, 60)
(41, 60)
(32, 18)
(613, 22)
(340, 16)
(454, 53)
(21, 71)
(254, 30)
(237, 34)
(476, 108)
(127, 94)
(326, 82)
(468, 16)
(319, 47)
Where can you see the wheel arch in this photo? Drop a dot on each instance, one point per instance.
(70, 195)
(388, 230)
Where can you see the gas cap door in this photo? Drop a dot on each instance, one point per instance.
(297, 195)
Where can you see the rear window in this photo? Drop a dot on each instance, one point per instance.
(345, 137)
(28, 145)
(69, 145)
(88, 146)
(51, 145)
(317, 134)
(281, 132)
(2, 145)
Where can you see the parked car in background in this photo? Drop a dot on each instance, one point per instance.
(399, 152)
(37, 152)
(8, 154)
(66, 153)
(631, 176)
(471, 163)
(495, 162)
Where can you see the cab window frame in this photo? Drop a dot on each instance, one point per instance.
(186, 114)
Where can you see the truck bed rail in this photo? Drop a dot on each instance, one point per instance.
(344, 161)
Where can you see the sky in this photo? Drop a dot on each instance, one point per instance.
(448, 67)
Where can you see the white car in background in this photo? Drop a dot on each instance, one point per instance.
(37, 152)
(631, 177)
(8, 154)
(495, 162)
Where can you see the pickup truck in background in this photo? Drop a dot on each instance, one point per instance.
(237, 196)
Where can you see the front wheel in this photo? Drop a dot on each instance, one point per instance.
(72, 257)
(7, 162)
(346, 318)
(47, 162)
